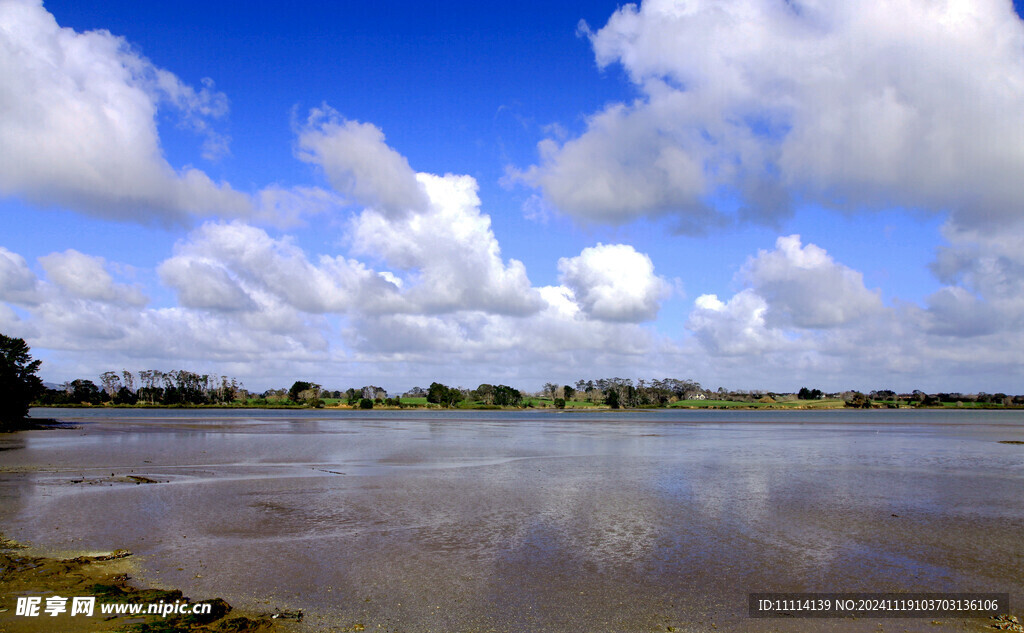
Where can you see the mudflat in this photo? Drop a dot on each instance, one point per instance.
(479, 521)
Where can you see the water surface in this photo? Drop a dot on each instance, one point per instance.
(508, 521)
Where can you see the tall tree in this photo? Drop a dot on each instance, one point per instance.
(612, 399)
(111, 382)
(129, 380)
(485, 393)
(550, 390)
(19, 385)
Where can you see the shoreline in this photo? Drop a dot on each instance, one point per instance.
(717, 406)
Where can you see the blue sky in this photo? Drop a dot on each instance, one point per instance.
(751, 194)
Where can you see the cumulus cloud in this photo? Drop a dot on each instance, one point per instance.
(736, 327)
(86, 277)
(859, 105)
(450, 250)
(231, 266)
(804, 287)
(257, 306)
(556, 341)
(984, 273)
(358, 163)
(625, 166)
(613, 282)
(204, 285)
(954, 311)
(99, 324)
(18, 284)
(78, 124)
(806, 317)
(249, 303)
(792, 292)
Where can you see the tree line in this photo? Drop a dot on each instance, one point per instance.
(151, 386)
(20, 387)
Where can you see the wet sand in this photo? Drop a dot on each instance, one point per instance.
(535, 522)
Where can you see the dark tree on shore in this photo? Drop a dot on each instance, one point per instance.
(84, 392)
(19, 385)
(612, 399)
(298, 387)
(440, 394)
(809, 394)
(507, 396)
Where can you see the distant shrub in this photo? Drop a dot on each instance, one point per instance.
(559, 403)
(366, 403)
(858, 400)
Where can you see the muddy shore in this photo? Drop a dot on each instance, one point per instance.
(108, 578)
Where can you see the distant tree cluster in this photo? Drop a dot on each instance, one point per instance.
(500, 395)
(623, 392)
(151, 386)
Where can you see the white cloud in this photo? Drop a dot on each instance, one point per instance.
(556, 342)
(984, 273)
(231, 266)
(805, 288)
(86, 277)
(10, 324)
(613, 282)
(260, 307)
(429, 228)
(794, 292)
(288, 207)
(18, 284)
(806, 318)
(954, 311)
(97, 323)
(358, 163)
(449, 250)
(865, 104)
(623, 167)
(204, 285)
(78, 125)
(734, 328)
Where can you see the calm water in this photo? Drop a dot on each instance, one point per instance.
(437, 521)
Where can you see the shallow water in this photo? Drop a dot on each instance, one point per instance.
(508, 521)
